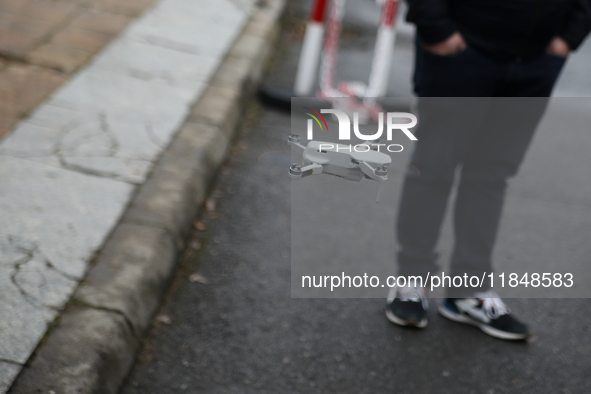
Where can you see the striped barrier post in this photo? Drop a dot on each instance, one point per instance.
(384, 50)
(326, 17)
(311, 49)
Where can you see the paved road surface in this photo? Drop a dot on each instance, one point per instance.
(240, 332)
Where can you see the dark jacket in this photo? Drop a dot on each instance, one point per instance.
(504, 29)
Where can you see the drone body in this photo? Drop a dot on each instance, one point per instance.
(344, 161)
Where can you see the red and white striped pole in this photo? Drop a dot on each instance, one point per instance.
(311, 49)
(384, 50)
(331, 46)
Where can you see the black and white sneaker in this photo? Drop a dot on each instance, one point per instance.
(486, 311)
(407, 306)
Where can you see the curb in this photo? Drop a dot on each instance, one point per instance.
(93, 343)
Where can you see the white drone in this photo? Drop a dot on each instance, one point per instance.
(341, 161)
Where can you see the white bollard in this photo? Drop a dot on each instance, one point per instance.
(384, 50)
(311, 49)
(330, 54)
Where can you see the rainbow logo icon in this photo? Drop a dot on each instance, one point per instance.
(316, 118)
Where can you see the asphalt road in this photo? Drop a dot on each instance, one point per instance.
(229, 324)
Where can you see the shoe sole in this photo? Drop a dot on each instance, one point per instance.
(493, 332)
(406, 323)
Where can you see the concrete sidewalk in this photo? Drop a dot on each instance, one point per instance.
(43, 42)
(100, 183)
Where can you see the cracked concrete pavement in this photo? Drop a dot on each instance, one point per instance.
(43, 42)
(70, 168)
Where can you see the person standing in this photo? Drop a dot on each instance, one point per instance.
(493, 61)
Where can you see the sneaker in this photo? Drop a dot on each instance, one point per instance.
(486, 311)
(407, 306)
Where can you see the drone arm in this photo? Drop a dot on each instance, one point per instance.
(297, 172)
(297, 145)
(368, 170)
(294, 140)
(312, 169)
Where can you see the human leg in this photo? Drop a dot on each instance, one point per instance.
(448, 119)
(445, 131)
(496, 156)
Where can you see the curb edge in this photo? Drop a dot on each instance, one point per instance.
(94, 343)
